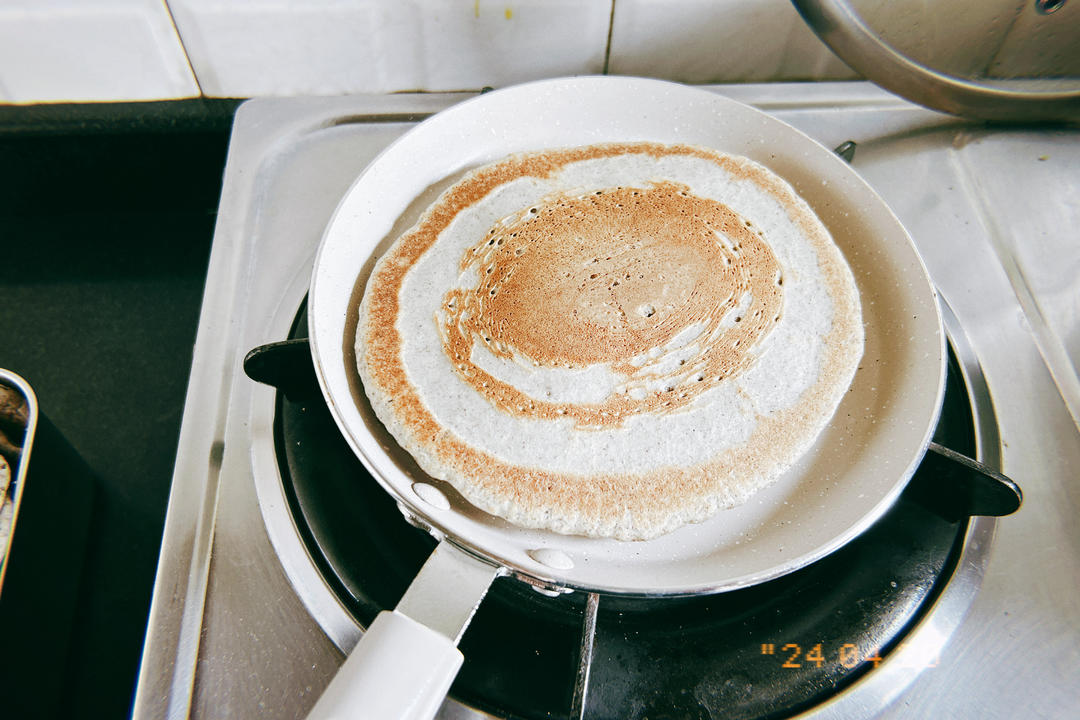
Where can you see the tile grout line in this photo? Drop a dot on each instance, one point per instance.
(610, 31)
(183, 47)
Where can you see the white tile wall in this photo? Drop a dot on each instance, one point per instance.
(242, 48)
(88, 50)
(703, 41)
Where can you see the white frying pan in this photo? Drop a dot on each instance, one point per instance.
(407, 659)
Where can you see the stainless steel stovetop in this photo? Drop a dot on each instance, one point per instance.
(242, 625)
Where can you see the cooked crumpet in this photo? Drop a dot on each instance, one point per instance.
(611, 340)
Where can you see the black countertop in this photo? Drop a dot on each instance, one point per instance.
(106, 218)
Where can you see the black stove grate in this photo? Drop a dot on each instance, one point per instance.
(767, 651)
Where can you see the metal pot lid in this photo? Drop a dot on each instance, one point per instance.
(1006, 60)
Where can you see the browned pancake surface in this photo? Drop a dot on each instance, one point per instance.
(606, 277)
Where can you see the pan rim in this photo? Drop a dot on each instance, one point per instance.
(544, 576)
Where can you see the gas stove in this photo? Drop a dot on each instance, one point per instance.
(278, 547)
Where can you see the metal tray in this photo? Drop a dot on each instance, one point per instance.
(11, 496)
(43, 558)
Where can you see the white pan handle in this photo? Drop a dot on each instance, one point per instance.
(400, 669)
(404, 663)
